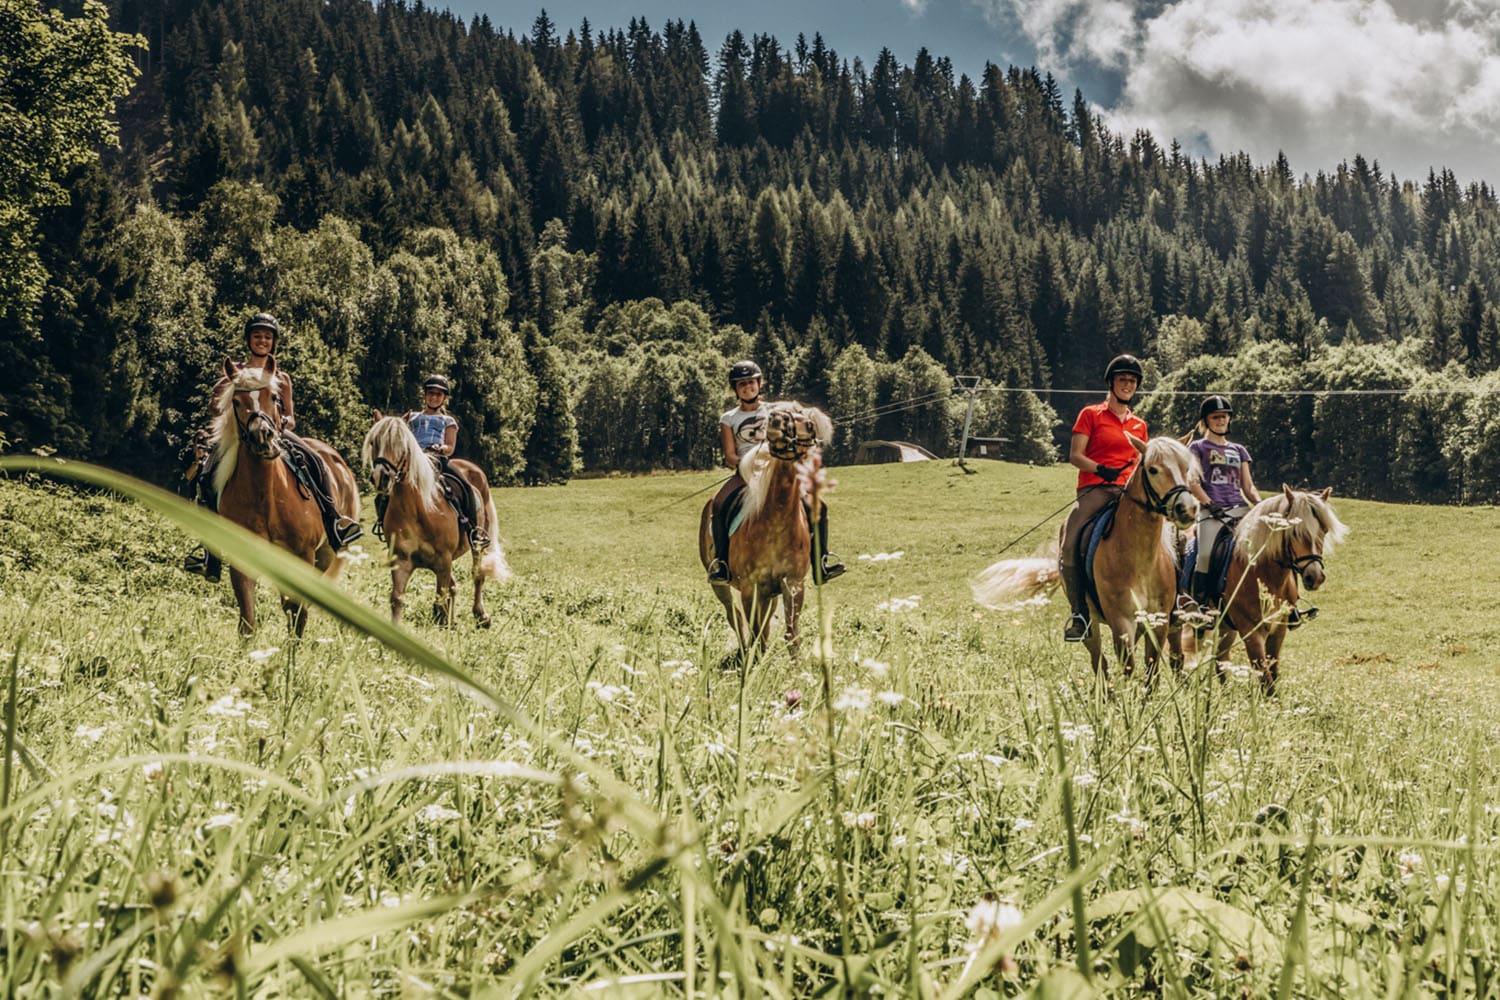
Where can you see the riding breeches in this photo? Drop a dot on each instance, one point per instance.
(1209, 528)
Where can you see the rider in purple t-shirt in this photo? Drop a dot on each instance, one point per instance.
(1225, 489)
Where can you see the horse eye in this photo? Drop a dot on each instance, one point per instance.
(1151, 470)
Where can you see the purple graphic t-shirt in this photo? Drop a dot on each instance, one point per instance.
(1220, 466)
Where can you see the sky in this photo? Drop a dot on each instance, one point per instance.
(1410, 84)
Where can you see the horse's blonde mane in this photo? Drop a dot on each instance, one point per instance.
(753, 463)
(223, 436)
(1304, 518)
(391, 438)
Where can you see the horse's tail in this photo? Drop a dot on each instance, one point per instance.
(492, 564)
(1011, 581)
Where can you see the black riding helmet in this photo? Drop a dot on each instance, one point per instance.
(264, 321)
(1214, 404)
(1123, 364)
(439, 382)
(742, 370)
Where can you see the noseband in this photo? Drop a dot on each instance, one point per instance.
(1300, 564)
(790, 449)
(1157, 503)
(396, 474)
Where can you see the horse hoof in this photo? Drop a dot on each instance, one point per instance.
(483, 622)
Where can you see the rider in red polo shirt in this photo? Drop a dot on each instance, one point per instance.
(1104, 458)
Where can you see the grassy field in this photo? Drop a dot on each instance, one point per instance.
(947, 803)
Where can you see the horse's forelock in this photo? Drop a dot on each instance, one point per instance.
(1170, 451)
(1311, 523)
(391, 438)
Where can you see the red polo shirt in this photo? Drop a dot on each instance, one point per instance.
(1107, 442)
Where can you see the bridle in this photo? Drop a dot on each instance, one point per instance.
(1157, 503)
(793, 448)
(396, 475)
(243, 427)
(1300, 564)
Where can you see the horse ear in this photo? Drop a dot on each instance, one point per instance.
(1326, 492)
(1287, 490)
(229, 368)
(1136, 442)
(376, 416)
(270, 364)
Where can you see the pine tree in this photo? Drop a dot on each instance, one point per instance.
(552, 447)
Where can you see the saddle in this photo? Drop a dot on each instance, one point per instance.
(1095, 530)
(456, 490)
(1218, 566)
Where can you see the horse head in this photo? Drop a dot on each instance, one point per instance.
(1296, 528)
(1165, 471)
(392, 456)
(792, 431)
(256, 407)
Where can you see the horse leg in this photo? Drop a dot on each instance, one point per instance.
(1255, 649)
(442, 608)
(1224, 647)
(400, 574)
(244, 595)
(1156, 642)
(1273, 658)
(792, 596)
(296, 615)
(1093, 641)
(481, 617)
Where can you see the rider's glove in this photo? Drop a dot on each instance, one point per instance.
(1108, 473)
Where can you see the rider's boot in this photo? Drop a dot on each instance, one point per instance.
(828, 566)
(1077, 628)
(479, 539)
(718, 568)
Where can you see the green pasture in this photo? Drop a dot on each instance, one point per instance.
(944, 803)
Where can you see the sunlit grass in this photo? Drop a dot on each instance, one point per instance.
(188, 811)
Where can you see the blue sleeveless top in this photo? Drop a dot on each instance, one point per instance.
(429, 427)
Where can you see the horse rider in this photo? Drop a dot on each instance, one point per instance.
(1103, 456)
(741, 429)
(437, 433)
(1225, 489)
(262, 337)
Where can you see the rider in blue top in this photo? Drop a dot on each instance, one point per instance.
(437, 433)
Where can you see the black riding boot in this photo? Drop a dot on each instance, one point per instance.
(718, 569)
(341, 530)
(1077, 628)
(479, 539)
(382, 501)
(1200, 588)
(826, 566)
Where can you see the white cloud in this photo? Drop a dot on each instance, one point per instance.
(1411, 83)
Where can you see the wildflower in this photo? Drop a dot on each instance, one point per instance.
(1411, 863)
(435, 813)
(1021, 824)
(1134, 824)
(88, 734)
(230, 706)
(891, 698)
(354, 554)
(1152, 619)
(221, 820)
(875, 667)
(259, 655)
(1085, 778)
(859, 821)
(1073, 732)
(1276, 522)
(152, 771)
(792, 699)
(988, 921)
(852, 699)
(608, 693)
(899, 603)
(882, 556)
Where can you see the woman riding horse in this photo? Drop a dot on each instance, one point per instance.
(1101, 451)
(262, 491)
(741, 429)
(262, 337)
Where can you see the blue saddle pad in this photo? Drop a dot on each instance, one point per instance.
(1097, 531)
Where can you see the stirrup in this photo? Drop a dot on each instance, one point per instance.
(345, 531)
(1296, 618)
(831, 569)
(479, 540)
(718, 571)
(1077, 628)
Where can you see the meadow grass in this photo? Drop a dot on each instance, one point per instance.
(947, 802)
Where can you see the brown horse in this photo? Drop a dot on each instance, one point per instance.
(770, 552)
(1134, 573)
(257, 490)
(421, 527)
(1281, 540)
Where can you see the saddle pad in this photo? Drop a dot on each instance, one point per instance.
(735, 510)
(1218, 565)
(1093, 533)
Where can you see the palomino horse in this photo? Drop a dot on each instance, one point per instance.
(1281, 539)
(770, 552)
(1134, 578)
(259, 492)
(421, 527)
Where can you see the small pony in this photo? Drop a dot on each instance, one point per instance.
(1134, 579)
(1281, 540)
(258, 490)
(421, 527)
(771, 549)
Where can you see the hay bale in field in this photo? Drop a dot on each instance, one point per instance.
(877, 452)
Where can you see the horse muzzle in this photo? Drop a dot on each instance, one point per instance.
(1183, 512)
